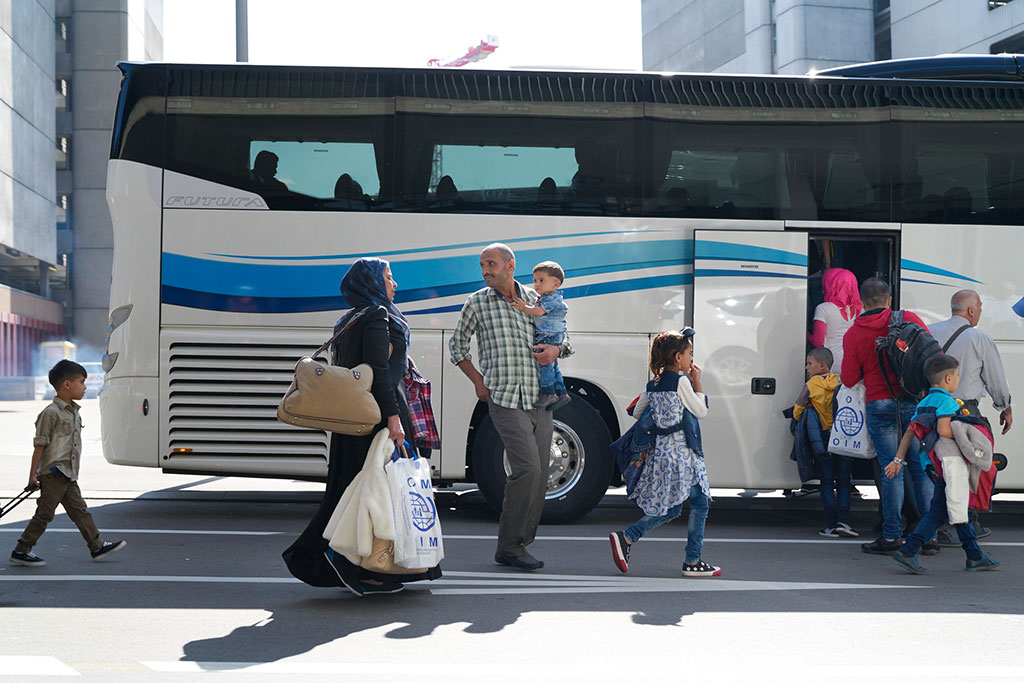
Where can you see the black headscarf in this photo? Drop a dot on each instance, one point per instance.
(363, 285)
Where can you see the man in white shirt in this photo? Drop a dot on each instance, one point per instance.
(981, 369)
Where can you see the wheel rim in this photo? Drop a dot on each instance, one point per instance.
(566, 460)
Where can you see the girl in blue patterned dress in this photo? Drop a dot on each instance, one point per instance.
(674, 471)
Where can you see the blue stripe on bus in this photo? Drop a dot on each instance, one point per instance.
(311, 280)
(252, 304)
(907, 264)
(728, 251)
(708, 272)
(422, 250)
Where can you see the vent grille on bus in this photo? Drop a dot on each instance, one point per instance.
(222, 401)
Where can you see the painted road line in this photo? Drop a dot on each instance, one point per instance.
(11, 665)
(483, 583)
(485, 537)
(300, 668)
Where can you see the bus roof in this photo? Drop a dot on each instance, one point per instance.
(953, 67)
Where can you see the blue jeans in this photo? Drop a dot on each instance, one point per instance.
(550, 376)
(933, 519)
(887, 421)
(834, 473)
(694, 532)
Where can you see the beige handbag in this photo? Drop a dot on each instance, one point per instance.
(382, 554)
(382, 559)
(329, 397)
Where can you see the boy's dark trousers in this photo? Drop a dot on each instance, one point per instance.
(57, 489)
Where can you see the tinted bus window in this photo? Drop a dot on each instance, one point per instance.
(963, 172)
(769, 170)
(312, 168)
(296, 161)
(520, 164)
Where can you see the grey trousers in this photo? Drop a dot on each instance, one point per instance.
(526, 435)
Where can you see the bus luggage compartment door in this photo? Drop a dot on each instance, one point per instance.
(749, 310)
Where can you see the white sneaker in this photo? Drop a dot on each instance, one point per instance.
(845, 530)
(828, 533)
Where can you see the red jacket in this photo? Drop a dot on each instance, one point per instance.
(860, 360)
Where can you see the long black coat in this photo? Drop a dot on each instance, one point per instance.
(376, 340)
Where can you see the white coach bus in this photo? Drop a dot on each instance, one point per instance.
(670, 200)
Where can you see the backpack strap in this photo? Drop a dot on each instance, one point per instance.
(895, 319)
(949, 342)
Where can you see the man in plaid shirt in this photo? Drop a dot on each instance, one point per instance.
(507, 381)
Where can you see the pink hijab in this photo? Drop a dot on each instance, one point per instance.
(840, 287)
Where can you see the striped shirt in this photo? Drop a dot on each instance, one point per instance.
(504, 340)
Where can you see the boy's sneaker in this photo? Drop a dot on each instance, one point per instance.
(845, 530)
(106, 549)
(546, 400)
(881, 546)
(828, 533)
(620, 550)
(986, 563)
(29, 559)
(908, 562)
(701, 570)
(560, 401)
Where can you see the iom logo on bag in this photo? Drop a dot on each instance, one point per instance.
(850, 421)
(424, 513)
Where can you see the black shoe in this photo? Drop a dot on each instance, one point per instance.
(620, 550)
(930, 548)
(27, 559)
(526, 562)
(354, 587)
(881, 546)
(106, 549)
(381, 588)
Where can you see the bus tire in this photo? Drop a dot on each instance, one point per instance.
(581, 463)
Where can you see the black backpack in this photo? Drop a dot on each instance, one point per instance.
(906, 349)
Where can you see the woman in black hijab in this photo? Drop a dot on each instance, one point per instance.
(378, 336)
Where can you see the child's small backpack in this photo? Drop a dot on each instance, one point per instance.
(906, 349)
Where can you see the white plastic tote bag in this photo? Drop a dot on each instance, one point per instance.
(849, 429)
(418, 543)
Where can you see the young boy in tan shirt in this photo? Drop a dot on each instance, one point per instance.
(54, 470)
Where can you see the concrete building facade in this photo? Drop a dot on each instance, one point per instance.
(756, 36)
(102, 32)
(58, 92)
(28, 243)
(796, 36)
(927, 27)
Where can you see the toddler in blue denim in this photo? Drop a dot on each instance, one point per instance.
(549, 328)
(673, 472)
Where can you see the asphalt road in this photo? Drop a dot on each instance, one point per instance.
(201, 590)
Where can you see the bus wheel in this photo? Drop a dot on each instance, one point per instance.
(579, 464)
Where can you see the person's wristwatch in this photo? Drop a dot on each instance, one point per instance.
(898, 461)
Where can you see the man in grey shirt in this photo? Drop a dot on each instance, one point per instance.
(981, 369)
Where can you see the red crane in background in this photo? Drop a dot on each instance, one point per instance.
(473, 54)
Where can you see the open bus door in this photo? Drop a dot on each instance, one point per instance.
(749, 310)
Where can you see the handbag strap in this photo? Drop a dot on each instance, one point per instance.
(352, 321)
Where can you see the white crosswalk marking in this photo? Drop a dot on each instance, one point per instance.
(11, 665)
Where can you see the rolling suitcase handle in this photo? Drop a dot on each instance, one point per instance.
(13, 502)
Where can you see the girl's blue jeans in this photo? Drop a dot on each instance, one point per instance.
(694, 532)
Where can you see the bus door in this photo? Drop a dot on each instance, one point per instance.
(749, 303)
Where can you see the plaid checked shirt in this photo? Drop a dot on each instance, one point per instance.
(504, 340)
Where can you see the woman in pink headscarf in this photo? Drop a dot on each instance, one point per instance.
(836, 315)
